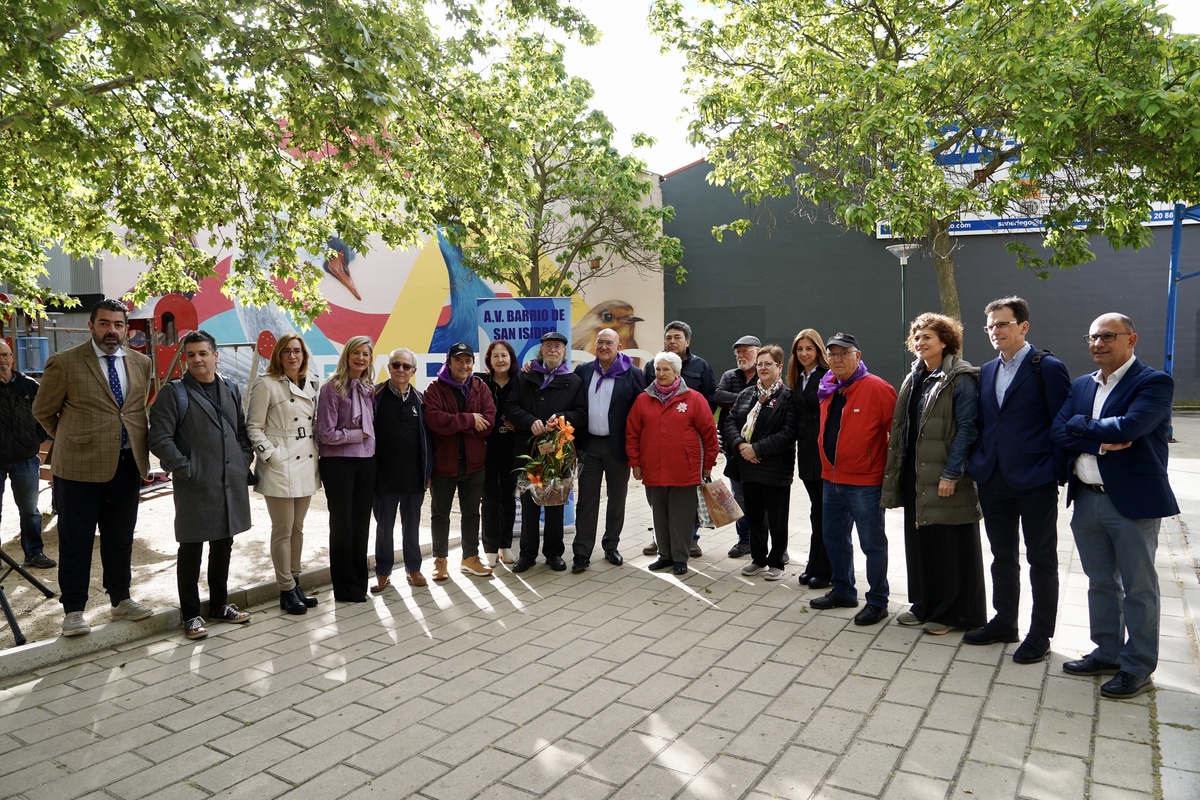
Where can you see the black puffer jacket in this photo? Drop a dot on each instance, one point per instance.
(774, 438)
(528, 402)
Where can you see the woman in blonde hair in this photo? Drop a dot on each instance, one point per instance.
(806, 366)
(280, 423)
(346, 431)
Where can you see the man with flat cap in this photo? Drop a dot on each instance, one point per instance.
(856, 418)
(745, 351)
(544, 392)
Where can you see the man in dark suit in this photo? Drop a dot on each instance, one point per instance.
(610, 385)
(1014, 465)
(1115, 424)
(92, 401)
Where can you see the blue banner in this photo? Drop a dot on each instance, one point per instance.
(522, 322)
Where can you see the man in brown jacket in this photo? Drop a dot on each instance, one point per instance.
(92, 401)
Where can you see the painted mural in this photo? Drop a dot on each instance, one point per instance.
(424, 299)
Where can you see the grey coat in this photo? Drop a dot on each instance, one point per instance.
(209, 461)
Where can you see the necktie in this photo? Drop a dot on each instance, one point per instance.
(114, 383)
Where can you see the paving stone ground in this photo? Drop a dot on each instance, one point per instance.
(617, 683)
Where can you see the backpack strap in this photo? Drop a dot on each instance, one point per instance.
(1035, 361)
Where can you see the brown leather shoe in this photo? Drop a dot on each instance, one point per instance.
(440, 573)
(416, 579)
(381, 584)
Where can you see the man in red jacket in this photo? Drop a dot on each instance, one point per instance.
(856, 416)
(460, 413)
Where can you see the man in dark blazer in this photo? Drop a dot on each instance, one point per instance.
(1115, 424)
(610, 385)
(92, 401)
(1014, 465)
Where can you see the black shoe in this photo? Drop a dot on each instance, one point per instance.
(871, 615)
(40, 561)
(679, 569)
(1090, 665)
(1033, 650)
(992, 633)
(578, 565)
(289, 603)
(523, 564)
(614, 557)
(832, 600)
(309, 602)
(556, 564)
(818, 583)
(739, 550)
(650, 549)
(1125, 685)
(805, 578)
(661, 563)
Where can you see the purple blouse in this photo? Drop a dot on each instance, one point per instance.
(346, 425)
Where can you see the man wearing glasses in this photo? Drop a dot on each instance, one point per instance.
(1018, 471)
(856, 417)
(1114, 424)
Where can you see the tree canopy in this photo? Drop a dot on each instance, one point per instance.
(561, 197)
(166, 130)
(865, 108)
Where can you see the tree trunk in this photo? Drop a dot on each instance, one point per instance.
(943, 267)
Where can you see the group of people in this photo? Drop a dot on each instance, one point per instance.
(955, 444)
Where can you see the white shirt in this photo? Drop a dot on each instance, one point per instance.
(1008, 371)
(807, 375)
(1087, 468)
(598, 403)
(122, 373)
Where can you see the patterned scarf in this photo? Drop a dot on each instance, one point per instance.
(562, 369)
(618, 367)
(764, 394)
(665, 393)
(830, 383)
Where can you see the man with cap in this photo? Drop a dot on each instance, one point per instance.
(546, 391)
(610, 385)
(856, 418)
(459, 413)
(697, 374)
(745, 351)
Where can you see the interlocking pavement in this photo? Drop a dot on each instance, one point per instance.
(614, 683)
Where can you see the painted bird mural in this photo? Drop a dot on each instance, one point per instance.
(615, 314)
(465, 288)
(339, 265)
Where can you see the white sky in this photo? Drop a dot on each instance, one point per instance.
(640, 89)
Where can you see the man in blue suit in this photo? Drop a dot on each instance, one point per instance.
(610, 384)
(1115, 425)
(1014, 466)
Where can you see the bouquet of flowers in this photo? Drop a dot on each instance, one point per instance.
(549, 474)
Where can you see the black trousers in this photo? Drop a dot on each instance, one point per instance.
(441, 500)
(350, 492)
(499, 513)
(552, 542)
(767, 508)
(83, 507)
(673, 509)
(1034, 511)
(600, 463)
(187, 576)
(818, 557)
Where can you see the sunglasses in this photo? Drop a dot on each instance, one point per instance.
(402, 365)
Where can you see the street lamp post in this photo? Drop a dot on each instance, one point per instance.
(902, 252)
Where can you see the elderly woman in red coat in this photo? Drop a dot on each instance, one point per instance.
(671, 441)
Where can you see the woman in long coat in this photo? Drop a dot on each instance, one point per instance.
(198, 432)
(280, 420)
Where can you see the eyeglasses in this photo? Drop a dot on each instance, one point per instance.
(999, 326)
(553, 346)
(402, 365)
(836, 356)
(765, 364)
(1108, 337)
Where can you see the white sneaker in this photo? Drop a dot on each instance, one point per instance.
(506, 556)
(75, 625)
(774, 574)
(752, 569)
(131, 609)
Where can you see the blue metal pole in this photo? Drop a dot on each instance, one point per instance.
(1173, 288)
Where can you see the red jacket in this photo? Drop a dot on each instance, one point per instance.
(675, 442)
(863, 438)
(448, 426)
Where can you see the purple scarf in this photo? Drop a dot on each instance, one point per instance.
(618, 367)
(562, 369)
(444, 376)
(830, 384)
(665, 393)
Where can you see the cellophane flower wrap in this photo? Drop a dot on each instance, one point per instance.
(549, 474)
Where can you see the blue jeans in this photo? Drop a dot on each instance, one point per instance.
(844, 505)
(24, 477)
(1117, 554)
